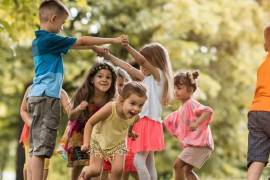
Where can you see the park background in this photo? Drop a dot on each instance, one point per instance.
(221, 38)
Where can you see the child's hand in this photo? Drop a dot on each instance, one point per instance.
(193, 126)
(83, 105)
(120, 39)
(83, 175)
(133, 136)
(101, 51)
(85, 147)
(124, 41)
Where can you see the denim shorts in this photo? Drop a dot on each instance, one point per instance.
(45, 115)
(258, 137)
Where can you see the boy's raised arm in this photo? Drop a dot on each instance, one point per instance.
(91, 41)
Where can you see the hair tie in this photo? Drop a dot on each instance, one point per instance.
(192, 80)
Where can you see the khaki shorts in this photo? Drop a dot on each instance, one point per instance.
(45, 114)
(195, 156)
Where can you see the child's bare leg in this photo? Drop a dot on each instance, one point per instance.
(125, 175)
(135, 175)
(104, 175)
(37, 167)
(178, 169)
(117, 167)
(189, 173)
(93, 170)
(255, 170)
(45, 174)
(28, 167)
(24, 172)
(75, 172)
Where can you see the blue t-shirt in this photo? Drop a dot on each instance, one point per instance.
(47, 50)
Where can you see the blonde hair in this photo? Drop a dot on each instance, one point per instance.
(157, 55)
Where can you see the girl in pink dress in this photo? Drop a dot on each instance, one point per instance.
(190, 125)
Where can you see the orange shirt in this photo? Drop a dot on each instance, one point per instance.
(261, 101)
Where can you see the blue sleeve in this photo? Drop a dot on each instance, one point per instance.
(59, 44)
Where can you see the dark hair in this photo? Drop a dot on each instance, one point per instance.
(86, 91)
(55, 6)
(133, 63)
(187, 79)
(133, 87)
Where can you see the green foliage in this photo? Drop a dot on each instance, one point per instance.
(221, 38)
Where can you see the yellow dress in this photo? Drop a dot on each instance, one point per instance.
(108, 136)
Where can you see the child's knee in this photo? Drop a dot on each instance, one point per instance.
(92, 172)
(117, 171)
(187, 169)
(178, 164)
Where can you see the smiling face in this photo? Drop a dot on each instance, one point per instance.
(182, 92)
(102, 80)
(132, 105)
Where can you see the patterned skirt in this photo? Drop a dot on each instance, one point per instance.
(75, 156)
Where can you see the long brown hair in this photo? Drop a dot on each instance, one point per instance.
(86, 91)
(157, 55)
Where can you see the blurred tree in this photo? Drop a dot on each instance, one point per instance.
(222, 38)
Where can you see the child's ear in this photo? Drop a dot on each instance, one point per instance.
(52, 18)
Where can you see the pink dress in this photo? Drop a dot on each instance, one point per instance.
(149, 128)
(178, 122)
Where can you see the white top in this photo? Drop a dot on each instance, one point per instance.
(153, 107)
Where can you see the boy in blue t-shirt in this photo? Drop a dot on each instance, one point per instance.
(44, 95)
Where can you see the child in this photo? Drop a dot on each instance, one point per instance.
(121, 80)
(44, 95)
(129, 168)
(190, 124)
(24, 139)
(107, 129)
(97, 89)
(155, 72)
(259, 118)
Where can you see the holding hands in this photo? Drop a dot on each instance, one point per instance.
(120, 39)
(105, 52)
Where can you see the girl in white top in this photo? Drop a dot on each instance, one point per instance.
(156, 74)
